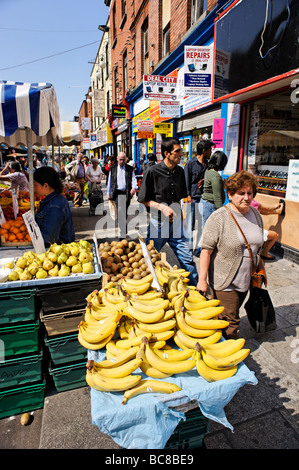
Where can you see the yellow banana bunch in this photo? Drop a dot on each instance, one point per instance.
(122, 357)
(150, 295)
(191, 305)
(128, 343)
(205, 313)
(172, 354)
(109, 298)
(158, 336)
(120, 371)
(193, 332)
(149, 306)
(94, 346)
(209, 374)
(225, 362)
(6, 201)
(150, 386)
(166, 366)
(96, 332)
(225, 348)
(107, 384)
(139, 315)
(182, 339)
(23, 204)
(195, 322)
(157, 327)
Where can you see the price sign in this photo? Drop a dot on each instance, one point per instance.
(15, 204)
(35, 233)
(2, 217)
(148, 261)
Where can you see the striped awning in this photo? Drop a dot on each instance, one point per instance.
(29, 106)
(70, 131)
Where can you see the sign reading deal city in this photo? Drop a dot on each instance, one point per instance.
(157, 87)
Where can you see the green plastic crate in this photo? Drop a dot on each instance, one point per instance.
(69, 376)
(20, 370)
(189, 434)
(21, 399)
(65, 349)
(17, 306)
(19, 339)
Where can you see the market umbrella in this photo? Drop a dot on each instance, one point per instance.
(29, 115)
(70, 132)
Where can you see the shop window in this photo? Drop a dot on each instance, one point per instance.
(273, 141)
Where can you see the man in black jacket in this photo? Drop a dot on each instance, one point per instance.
(122, 185)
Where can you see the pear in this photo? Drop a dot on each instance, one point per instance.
(77, 268)
(57, 249)
(29, 256)
(66, 249)
(64, 271)
(25, 276)
(85, 244)
(13, 276)
(84, 256)
(62, 258)
(19, 270)
(87, 268)
(52, 256)
(22, 262)
(47, 264)
(41, 274)
(75, 250)
(71, 261)
(33, 268)
(54, 271)
(9, 265)
(41, 257)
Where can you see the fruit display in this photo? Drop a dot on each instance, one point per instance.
(59, 260)
(134, 322)
(23, 202)
(125, 259)
(15, 231)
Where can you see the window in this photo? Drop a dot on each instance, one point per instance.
(116, 84)
(125, 71)
(166, 40)
(198, 7)
(107, 59)
(107, 103)
(144, 52)
(114, 26)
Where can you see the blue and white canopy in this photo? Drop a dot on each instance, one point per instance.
(29, 106)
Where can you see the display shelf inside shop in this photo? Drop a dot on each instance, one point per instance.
(21, 369)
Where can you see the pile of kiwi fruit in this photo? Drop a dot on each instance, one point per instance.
(125, 259)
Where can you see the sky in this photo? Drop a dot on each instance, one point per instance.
(31, 30)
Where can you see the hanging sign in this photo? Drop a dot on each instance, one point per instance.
(198, 70)
(170, 109)
(157, 87)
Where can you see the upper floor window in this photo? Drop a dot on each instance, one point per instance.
(125, 71)
(198, 7)
(166, 40)
(145, 46)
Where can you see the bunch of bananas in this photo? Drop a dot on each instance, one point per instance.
(220, 361)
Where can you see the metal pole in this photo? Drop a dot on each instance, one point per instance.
(30, 167)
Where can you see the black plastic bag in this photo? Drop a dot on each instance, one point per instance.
(260, 310)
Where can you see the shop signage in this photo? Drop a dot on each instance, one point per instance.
(93, 137)
(170, 109)
(163, 128)
(85, 124)
(118, 111)
(198, 70)
(99, 103)
(145, 126)
(218, 133)
(145, 135)
(292, 192)
(157, 87)
(86, 144)
(143, 116)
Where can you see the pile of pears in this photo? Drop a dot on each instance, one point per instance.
(58, 260)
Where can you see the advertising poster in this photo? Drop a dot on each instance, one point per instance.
(198, 70)
(218, 133)
(157, 87)
(292, 192)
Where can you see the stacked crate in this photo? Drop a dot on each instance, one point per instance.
(61, 310)
(22, 387)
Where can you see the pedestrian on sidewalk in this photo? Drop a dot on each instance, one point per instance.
(213, 195)
(75, 171)
(194, 173)
(121, 187)
(225, 262)
(162, 189)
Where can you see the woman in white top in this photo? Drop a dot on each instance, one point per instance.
(15, 176)
(94, 175)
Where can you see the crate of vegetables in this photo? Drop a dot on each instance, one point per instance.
(14, 233)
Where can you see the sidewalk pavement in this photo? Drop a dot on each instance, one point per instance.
(264, 416)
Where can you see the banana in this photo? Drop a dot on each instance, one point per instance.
(122, 370)
(157, 344)
(212, 375)
(190, 331)
(174, 272)
(190, 305)
(195, 296)
(107, 384)
(153, 317)
(150, 371)
(205, 313)
(138, 282)
(95, 332)
(225, 348)
(150, 386)
(112, 349)
(150, 295)
(179, 343)
(158, 336)
(120, 359)
(88, 317)
(167, 315)
(150, 306)
(91, 295)
(168, 367)
(162, 278)
(128, 343)
(109, 298)
(174, 354)
(157, 327)
(94, 346)
(182, 284)
(178, 302)
(122, 331)
(225, 362)
(135, 289)
(190, 342)
(205, 324)
(173, 284)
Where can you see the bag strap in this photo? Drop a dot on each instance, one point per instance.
(245, 239)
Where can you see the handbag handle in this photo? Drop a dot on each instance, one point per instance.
(246, 242)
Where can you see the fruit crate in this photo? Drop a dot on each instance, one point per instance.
(189, 434)
(65, 349)
(66, 296)
(69, 376)
(62, 322)
(19, 338)
(20, 370)
(21, 399)
(17, 306)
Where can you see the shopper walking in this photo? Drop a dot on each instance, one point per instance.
(76, 172)
(162, 189)
(213, 195)
(121, 187)
(194, 173)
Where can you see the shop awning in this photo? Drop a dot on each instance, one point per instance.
(70, 131)
(29, 115)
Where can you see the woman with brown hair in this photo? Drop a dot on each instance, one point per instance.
(225, 262)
